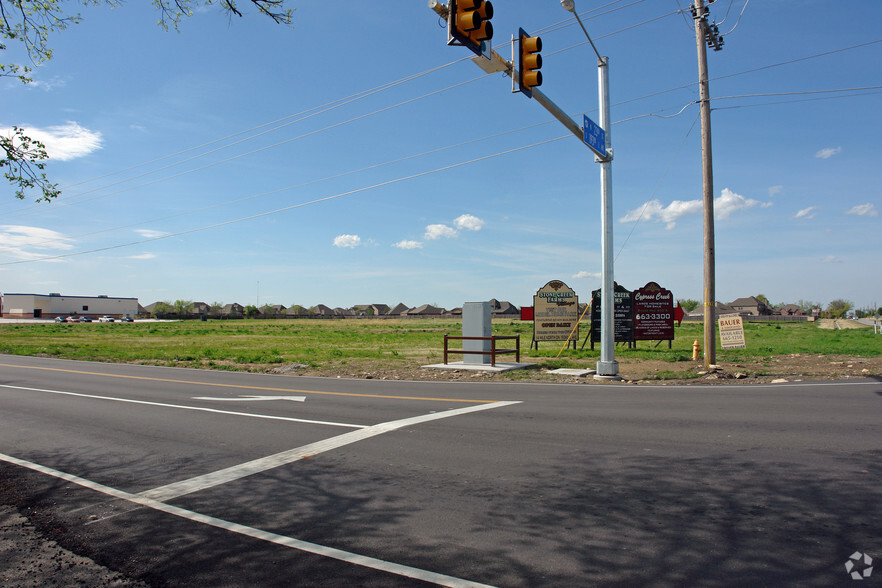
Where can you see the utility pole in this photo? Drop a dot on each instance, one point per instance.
(705, 36)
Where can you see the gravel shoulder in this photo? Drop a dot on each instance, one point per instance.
(28, 559)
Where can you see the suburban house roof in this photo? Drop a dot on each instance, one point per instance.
(425, 309)
(503, 307)
(399, 308)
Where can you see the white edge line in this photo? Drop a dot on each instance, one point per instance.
(306, 546)
(184, 407)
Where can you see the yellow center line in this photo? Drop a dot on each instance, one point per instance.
(243, 387)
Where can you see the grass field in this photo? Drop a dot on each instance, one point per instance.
(259, 345)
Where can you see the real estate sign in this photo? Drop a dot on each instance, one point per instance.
(623, 315)
(732, 332)
(653, 313)
(556, 313)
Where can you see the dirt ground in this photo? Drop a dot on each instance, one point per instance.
(791, 368)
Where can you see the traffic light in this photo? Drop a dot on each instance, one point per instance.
(529, 62)
(469, 23)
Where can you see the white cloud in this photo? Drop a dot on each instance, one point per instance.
(65, 142)
(592, 275)
(350, 241)
(828, 152)
(868, 209)
(16, 240)
(775, 190)
(408, 245)
(724, 205)
(439, 231)
(654, 210)
(47, 85)
(807, 212)
(143, 256)
(150, 233)
(729, 202)
(831, 259)
(469, 222)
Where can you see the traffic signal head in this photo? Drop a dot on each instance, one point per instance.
(469, 23)
(529, 62)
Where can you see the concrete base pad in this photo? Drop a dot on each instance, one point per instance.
(580, 373)
(480, 367)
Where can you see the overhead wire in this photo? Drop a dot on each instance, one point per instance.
(382, 184)
(652, 114)
(657, 186)
(302, 185)
(743, 8)
(287, 208)
(337, 103)
(76, 199)
(266, 147)
(402, 80)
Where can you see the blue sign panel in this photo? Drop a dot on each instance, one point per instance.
(594, 136)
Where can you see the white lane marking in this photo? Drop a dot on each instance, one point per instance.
(263, 464)
(322, 550)
(184, 407)
(247, 398)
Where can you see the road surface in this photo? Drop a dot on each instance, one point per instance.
(184, 477)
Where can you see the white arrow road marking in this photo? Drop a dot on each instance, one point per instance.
(183, 407)
(248, 398)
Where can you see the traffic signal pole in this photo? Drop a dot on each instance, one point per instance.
(607, 367)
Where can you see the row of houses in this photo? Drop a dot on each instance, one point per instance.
(752, 307)
(54, 305)
(236, 310)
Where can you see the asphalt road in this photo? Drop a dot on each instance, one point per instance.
(196, 478)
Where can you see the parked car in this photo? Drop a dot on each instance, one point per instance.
(61, 319)
(106, 319)
(127, 319)
(85, 319)
(72, 319)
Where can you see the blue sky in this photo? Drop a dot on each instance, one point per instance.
(354, 158)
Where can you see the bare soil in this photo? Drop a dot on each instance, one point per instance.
(792, 368)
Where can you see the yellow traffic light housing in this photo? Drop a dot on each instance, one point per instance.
(529, 62)
(468, 24)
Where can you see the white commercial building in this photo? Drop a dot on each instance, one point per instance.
(53, 305)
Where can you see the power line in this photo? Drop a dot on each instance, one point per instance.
(314, 112)
(397, 180)
(286, 208)
(302, 185)
(657, 186)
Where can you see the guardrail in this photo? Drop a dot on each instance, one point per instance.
(494, 351)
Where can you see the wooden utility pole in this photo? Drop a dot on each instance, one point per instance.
(706, 35)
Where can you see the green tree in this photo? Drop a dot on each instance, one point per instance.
(808, 306)
(163, 308)
(837, 308)
(30, 23)
(688, 304)
(183, 306)
(762, 298)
